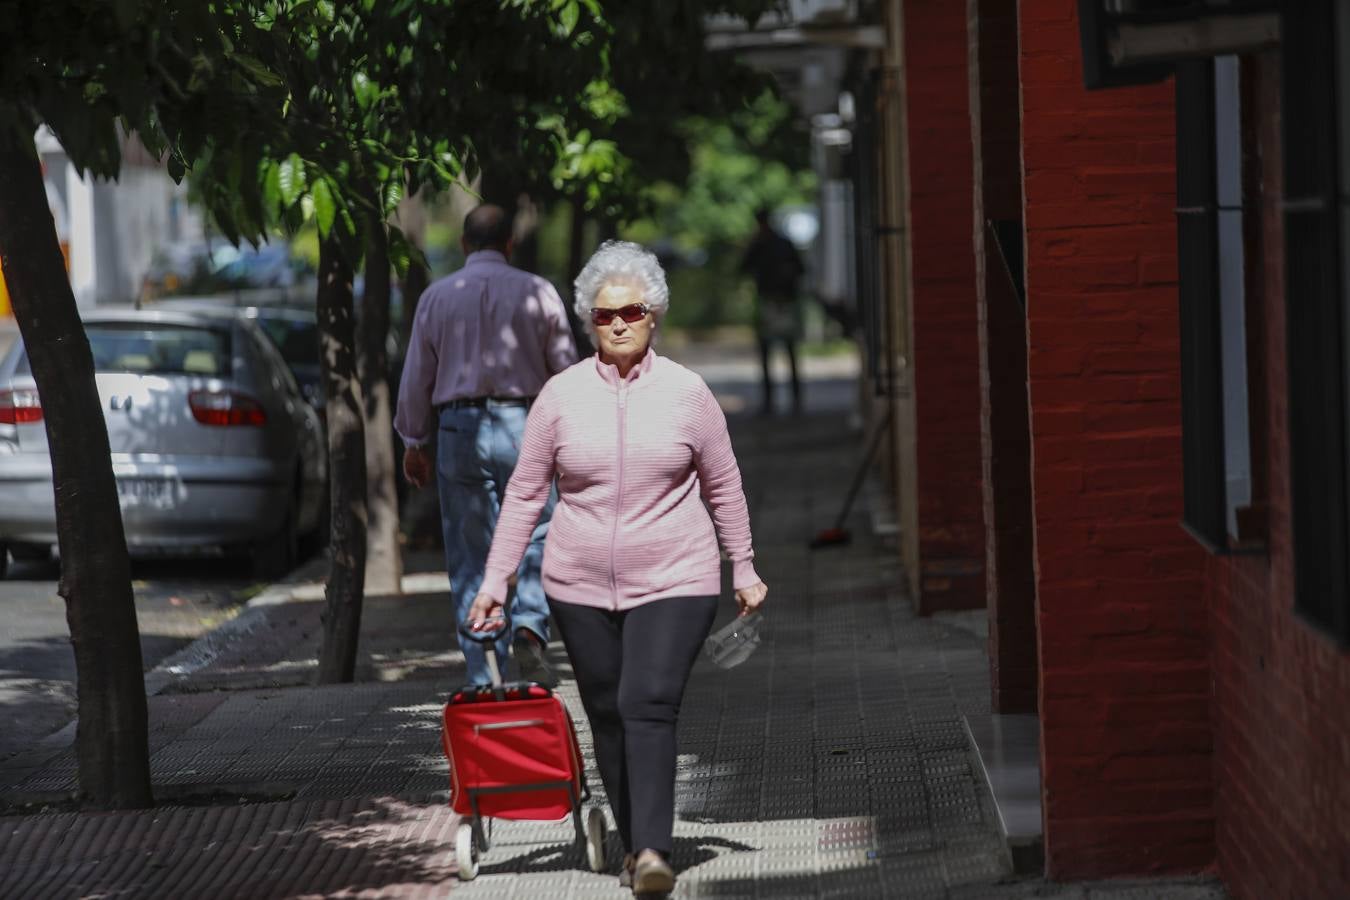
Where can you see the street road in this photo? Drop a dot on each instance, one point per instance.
(177, 601)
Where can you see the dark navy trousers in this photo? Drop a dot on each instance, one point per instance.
(631, 668)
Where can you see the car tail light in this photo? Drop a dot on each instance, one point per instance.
(226, 408)
(21, 407)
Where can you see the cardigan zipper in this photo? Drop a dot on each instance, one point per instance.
(618, 497)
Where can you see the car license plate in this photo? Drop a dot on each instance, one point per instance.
(157, 492)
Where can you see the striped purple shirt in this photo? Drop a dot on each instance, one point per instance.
(488, 330)
(635, 460)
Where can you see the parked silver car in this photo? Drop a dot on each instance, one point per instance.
(213, 443)
(293, 329)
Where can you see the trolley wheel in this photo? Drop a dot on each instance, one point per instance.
(466, 852)
(595, 839)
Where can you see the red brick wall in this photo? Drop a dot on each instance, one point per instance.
(1281, 690)
(1126, 748)
(944, 335)
(1004, 427)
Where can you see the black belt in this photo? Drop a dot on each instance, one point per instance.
(484, 402)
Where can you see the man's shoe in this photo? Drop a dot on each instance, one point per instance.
(530, 659)
(653, 875)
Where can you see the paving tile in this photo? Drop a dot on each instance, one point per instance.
(832, 764)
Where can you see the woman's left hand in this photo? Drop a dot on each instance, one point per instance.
(750, 599)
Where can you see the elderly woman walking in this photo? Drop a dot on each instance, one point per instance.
(631, 566)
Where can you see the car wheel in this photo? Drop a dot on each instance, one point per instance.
(4, 560)
(275, 557)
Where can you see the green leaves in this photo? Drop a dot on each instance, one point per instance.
(284, 110)
(736, 165)
(259, 72)
(272, 194)
(393, 195)
(568, 15)
(325, 207)
(291, 179)
(403, 252)
(366, 92)
(203, 71)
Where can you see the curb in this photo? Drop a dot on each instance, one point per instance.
(252, 616)
(178, 666)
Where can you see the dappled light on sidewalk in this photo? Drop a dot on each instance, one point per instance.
(832, 762)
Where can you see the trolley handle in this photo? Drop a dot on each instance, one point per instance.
(488, 637)
(497, 624)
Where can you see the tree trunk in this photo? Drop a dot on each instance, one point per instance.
(346, 466)
(111, 742)
(412, 218)
(576, 250)
(419, 512)
(415, 282)
(526, 253)
(384, 564)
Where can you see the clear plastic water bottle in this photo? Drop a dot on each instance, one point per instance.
(733, 643)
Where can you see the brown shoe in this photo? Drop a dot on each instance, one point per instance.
(652, 874)
(626, 873)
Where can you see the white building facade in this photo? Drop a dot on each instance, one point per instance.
(112, 229)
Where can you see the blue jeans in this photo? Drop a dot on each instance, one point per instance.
(476, 452)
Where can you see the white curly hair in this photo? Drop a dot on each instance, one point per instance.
(621, 262)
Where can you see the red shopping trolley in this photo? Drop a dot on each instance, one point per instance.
(514, 754)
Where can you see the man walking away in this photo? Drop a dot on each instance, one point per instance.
(483, 342)
(776, 267)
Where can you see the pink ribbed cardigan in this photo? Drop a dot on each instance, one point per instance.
(632, 458)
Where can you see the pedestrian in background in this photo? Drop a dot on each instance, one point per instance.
(637, 443)
(484, 341)
(776, 267)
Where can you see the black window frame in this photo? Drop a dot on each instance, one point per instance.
(1189, 29)
(1315, 298)
(1205, 438)
(868, 234)
(1203, 467)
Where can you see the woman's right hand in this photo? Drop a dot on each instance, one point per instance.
(751, 598)
(484, 607)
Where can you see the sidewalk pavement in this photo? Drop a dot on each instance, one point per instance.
(832, 764)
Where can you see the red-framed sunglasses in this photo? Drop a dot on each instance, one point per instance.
(633, 312)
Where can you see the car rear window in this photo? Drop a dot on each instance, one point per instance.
(155, 349)
(298, 341)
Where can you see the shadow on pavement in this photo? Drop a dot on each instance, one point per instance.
(352, 847)
(514, 859)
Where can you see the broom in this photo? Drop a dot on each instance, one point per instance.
(837, 534)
